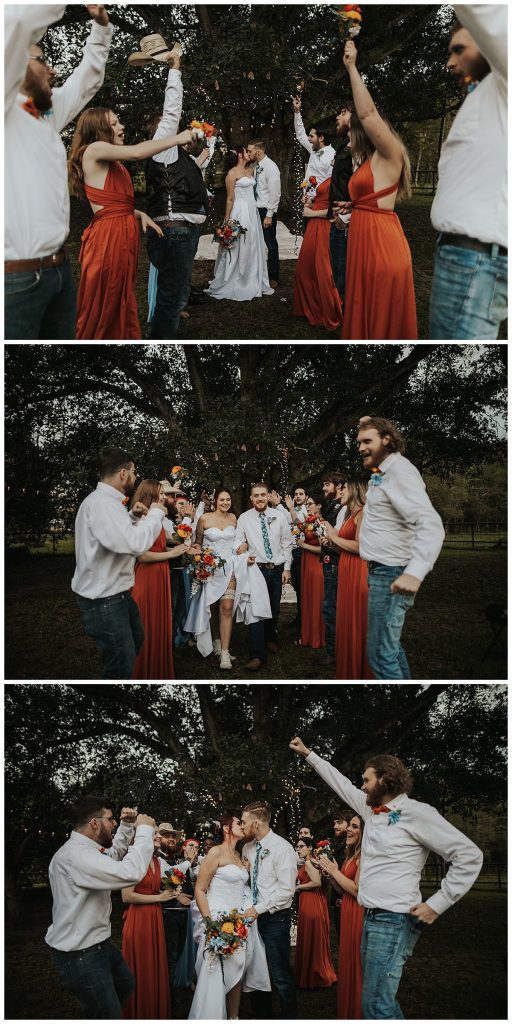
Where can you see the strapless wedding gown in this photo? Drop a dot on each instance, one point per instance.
(199, 614)
(228, 889)
(241, 272)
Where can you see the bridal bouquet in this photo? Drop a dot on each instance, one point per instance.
(203, 566)
(228, 233)
(312, 526)
(225, 934)
(183, 534)
(173, 880)
(350, 20)
(310, 186)
(323, 849)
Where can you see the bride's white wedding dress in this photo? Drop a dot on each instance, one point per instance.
(228, 889)
(251, 597)
(241, 272)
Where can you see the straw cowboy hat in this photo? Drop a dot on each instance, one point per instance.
(153, 49)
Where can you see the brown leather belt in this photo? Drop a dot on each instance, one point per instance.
(464, 242)
(175, 224)
(28, 266)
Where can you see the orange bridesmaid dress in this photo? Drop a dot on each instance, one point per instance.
(350, 984)
(379, 294)
(351, 611)
(143, 948)
(313, 967)
(315, 295)
(312, 632)
(106, 304)
(152, 594)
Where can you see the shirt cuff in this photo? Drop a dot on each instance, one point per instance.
(261, 907)
(418, 567)
(145, 830)
(438, 902)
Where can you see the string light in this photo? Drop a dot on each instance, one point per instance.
(298, 206)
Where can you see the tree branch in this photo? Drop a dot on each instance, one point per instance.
(209, 715)
(196, 375)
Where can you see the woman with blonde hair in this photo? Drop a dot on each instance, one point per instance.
(352, 599)
(152, 594)
(380, 302)
(107, 304)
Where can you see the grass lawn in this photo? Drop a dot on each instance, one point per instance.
(458, 970)
(445, 635)
(268, 318)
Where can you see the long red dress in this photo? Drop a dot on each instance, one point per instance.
(313, 967)
(379, 293)
(348, 1003)
(143, 948)
(351, 611)
(152, 593)
(106, 304)
(311, 596)
(315, 295)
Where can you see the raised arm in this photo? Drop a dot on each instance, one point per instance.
(386, 144)
(298, 123)
(487, 23)
(101, 151)
(24, 24)
(87, 79)
(337, 782)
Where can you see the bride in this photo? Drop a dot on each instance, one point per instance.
(241, 272)
(217, 530)
(222, 885)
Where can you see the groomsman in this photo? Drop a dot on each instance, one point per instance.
(401, 537)
(399, 833)
(268, 193)
(333, 513)
(317, 143)
(295, 512)
(269, 541)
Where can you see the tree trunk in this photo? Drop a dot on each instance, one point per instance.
(13, 893)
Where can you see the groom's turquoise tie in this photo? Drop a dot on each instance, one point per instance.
(266, 538)
(258, 172)
(255, 874)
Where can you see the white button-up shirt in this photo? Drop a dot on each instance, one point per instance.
(320, 161)
(107, 542)
(400, 525)
(393, 854)
(277, 872)
(248, 531)
(81, 879)
(170, 125)
(471, 196)
(36, 173)
(268, 186)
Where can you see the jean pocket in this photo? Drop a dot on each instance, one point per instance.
(16, 284)
(455, 258)
(498, 306)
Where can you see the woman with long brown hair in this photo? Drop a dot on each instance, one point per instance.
(352, 599)
(106, 304)
(346, 881)
(152, 594)
(379, 294)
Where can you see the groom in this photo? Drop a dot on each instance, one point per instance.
(267, 191)
(273, 867)
(270, 546)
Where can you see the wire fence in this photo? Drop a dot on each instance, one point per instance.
(476, 536)
(492, 878)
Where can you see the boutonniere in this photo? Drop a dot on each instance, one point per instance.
(376, 477)
(102, 849)
(264, 853)
(271, 519)
(31, 108)
(393, 817)
(126, 502)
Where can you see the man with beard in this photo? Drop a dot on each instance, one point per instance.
(295, 512)
(339, 197)
(108, 539)
(317, 143)
(399, 833)
(331, 486)
(401, 537)
(39, 286)
(469, 288)
(340, 824)
(95, 860)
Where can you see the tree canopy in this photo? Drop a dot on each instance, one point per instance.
(235, 414)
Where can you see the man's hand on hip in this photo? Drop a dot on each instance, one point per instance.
(424, 913)
(406, 585)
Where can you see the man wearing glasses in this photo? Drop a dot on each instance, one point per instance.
(39, 287)
(96, 859)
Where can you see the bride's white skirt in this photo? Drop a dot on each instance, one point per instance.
(241, 272)
(251, 604)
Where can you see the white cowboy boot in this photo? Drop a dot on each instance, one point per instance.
(225, 660)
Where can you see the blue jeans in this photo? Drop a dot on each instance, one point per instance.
(329, 605)
(386, 615)
(115, 626)
(296, 573)
(388, 940)
(173, 257)
(265, 631)
(270, 237)
(469, 294)
(41, 305)
(181, 596)
(338, 247)
(275, 932)
(98, 977)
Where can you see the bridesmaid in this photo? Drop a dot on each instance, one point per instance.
(352, 598)
(379, 296)
(312, 584)
(143, 946)
(315, 295)
(152, 594)
(313, 968)
(351, 927)
(107, 304)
